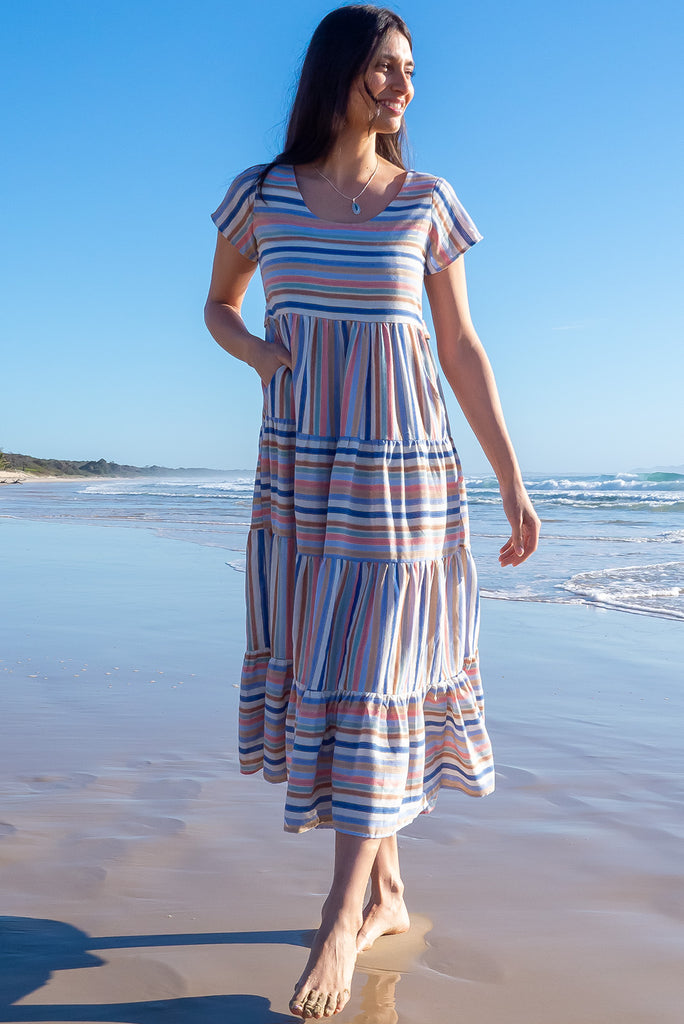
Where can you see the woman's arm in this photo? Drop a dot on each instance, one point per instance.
(230, 277)
(467, 368)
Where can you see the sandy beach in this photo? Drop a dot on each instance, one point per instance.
(18, 476)
(143, 878)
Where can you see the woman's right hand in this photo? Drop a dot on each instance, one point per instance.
(267, 356)
(230, 277)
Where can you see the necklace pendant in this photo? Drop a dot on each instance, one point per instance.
(356, 208)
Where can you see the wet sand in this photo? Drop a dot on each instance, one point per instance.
(143, 878)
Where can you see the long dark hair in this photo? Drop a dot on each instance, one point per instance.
(340, 50)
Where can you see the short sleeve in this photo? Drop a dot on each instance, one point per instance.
(235, 216)
(451, 232)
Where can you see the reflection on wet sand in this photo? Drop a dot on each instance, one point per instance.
(384, 964)
(378, 999)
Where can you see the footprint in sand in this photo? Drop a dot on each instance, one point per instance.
(47, 783)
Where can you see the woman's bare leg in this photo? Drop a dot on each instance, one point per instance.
(324, 987)
(385, 913)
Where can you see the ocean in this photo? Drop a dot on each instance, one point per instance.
(612, 541)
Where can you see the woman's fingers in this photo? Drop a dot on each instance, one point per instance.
(517, 537)
(284, 355)
(269, 357)
(523, 540)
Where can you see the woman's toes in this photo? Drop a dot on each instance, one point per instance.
(314, 1005)
(330, 1006)
(296, 1005)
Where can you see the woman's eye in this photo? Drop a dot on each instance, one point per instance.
(385, 67)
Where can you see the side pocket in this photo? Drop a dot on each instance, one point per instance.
(278, 395)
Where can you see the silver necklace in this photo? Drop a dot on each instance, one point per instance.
(356, 209)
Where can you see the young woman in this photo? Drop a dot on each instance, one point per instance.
(360, 685)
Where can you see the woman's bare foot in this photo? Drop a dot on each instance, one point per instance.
(325, 986)
(384, 914)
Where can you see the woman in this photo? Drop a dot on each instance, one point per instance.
(360, 685)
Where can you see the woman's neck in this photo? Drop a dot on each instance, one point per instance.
(352, 158)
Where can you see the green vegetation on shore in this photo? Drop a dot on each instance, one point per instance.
(64, 467)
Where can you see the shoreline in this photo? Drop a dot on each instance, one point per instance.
(131, 843)
(228, 543)
(19, 476)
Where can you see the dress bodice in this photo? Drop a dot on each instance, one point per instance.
(363, 271)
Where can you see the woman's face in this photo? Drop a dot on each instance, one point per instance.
(389, 80)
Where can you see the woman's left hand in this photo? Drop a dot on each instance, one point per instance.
(525, 525)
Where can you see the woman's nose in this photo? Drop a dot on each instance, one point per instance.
(402, 82)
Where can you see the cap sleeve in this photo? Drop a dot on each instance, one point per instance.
(452, 231)
(235, 216)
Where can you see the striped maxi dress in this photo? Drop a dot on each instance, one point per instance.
(360, 685)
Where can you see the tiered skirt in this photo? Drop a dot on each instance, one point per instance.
(360, 686)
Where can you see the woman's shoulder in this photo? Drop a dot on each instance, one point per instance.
(427, 181)
(250, 175)
(424, 176)
(437, 192)
(252, 179)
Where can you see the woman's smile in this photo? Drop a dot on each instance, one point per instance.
(394, 106)
(386, 87)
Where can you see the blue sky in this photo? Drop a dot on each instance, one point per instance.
(558, 124)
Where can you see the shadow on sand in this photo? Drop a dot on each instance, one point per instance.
(31, 949)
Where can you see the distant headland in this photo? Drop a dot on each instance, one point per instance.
(16, 468)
